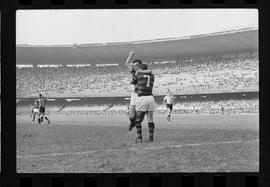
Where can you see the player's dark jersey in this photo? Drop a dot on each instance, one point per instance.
(42, 101)
(134, 80)
(145, 82)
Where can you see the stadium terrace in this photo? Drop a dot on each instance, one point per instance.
(231, 41)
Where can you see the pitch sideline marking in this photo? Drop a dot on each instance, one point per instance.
(135, 149)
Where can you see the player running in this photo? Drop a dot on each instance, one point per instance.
(42, 102)
(134, 95)
(145, 103)
(169, 100)
(35, 110)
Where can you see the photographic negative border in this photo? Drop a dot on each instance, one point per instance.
(9, 177)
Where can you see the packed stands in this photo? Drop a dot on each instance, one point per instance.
(211, 74)
(231, 106)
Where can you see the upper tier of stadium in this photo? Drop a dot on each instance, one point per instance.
(231, 41)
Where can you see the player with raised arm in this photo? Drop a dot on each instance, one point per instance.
(132, 66)
(169, 100)
(145, 103)
(42, 102)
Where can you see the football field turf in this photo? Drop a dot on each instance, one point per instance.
(99, 143)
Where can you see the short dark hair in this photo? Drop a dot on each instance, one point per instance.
(140, 62)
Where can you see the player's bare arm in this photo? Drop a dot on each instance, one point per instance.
(127, 63)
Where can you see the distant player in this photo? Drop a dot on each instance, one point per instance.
(42, 102)
(195, 109)
(35, 110)
(145, 103)
(132, 66)
(222, 110)
(169, 100)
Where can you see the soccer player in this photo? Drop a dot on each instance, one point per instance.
(35, 110)
(145, 103)
(222, 110)
(169, 99)
(42, 102)
(134, 95)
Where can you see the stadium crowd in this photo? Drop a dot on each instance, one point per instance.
(231, 106)
(215, 107)
(190, 75)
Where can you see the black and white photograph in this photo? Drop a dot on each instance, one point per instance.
(0, 94)
(137, 91)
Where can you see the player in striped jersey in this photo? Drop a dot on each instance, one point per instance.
(145, 103)
(42, 102)
(169, 100)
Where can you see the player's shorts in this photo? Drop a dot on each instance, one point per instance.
(145, 103)
(169, 106)
(36, 110)
(42, 109)
(133, 99)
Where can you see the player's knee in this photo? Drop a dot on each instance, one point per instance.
(150, 116)
(138, 125)
(151, 125)
(138, 120)
(139, 116)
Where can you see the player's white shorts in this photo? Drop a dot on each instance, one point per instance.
(145, 103)
(133, 98)
(36, 110)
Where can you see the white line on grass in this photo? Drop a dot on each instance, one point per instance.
(134, 149)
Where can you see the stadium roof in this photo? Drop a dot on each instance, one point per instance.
(232, 41)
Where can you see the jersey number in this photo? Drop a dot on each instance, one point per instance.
(148, 80)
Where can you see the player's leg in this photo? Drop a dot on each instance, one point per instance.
(32, 112)
(132, 110)
(42, 110)
(150, 116)
(132, 116)
(35, 112)
(42, 116)
(139, 118)
(34, 116)
(141, 108)
(48, 120)
(168, 112)
(151, 125)
(39, 116)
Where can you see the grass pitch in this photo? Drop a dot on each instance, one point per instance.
(102, 144)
